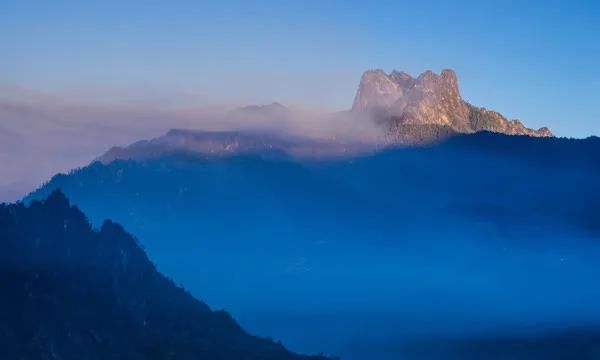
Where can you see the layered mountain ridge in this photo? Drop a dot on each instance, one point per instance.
(510, 217)
(74, 292)
(428, 107)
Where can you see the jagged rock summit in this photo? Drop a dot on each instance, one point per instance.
(428, 107)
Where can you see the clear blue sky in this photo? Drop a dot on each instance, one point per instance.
(534, 60)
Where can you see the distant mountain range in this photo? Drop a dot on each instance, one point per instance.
(427, 108)
(72, 292)
(476, 222)
(228, 143)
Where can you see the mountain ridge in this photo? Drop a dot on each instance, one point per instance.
(74, 292)
(347, 226)
(234, 142)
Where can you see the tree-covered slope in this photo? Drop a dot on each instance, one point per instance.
(72, 292)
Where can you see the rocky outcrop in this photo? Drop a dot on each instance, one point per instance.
(482, 119)
(428, 107)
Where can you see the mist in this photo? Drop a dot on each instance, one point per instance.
(49, 134)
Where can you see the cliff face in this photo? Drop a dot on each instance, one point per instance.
(428, 107)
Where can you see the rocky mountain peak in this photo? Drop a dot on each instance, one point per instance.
(402, 78)
(376, 90)
(431, 101)
(450, 75)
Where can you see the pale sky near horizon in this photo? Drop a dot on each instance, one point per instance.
(533, 60)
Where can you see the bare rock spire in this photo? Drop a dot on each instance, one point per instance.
(431, 101)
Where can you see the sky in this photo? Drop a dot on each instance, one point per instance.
(535, 60)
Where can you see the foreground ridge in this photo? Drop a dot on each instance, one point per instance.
(72, 292)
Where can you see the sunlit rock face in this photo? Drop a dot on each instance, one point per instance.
(428, 108)
(377, 91)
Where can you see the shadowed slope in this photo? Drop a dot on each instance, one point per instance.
(71, 292)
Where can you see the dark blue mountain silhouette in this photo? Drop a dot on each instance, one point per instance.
(71, 292)
(485, 175)
(483, 232)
